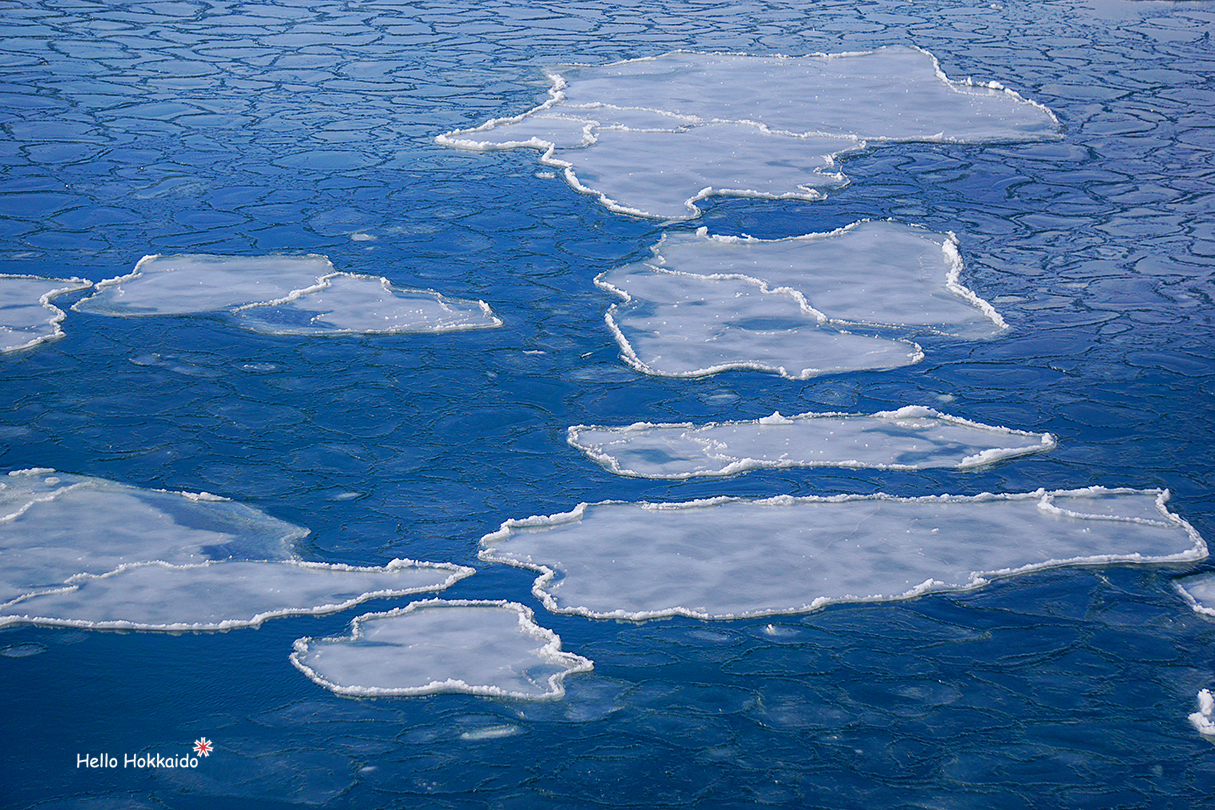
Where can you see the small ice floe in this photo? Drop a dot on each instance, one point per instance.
(86, 552)
(475, 647)
(27, 316)
(725, 558)
(282, 295)
(911, 438)
(1199, 591)
(1204, 718)
(653, 136)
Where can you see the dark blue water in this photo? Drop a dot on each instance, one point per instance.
(238, 128)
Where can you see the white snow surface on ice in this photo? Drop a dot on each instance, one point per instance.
(475, 647)
(727, 558)
(27, 316)
(298, 295)
(652, 136)
(911, 438)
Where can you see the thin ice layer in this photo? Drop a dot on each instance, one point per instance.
(911, 438)
(680, 325)
(872, 272)
(222, 595)
(475, 647)
(54, 526)
(27, 316)
(729, 558)
(297, 295)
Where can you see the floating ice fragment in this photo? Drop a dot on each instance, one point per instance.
(296, 295)
(27, 316)
(475, 647)
(1204, 718)
(1199, 591)
(911, 438)
(727, 558)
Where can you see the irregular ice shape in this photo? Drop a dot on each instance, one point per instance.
(27, 316)
(222, 595)
(475, 647)
(297, 295)
(728, 558)
(872, 272)
(911, 438)
(652, 136)
(1204, 718)
(681, 325)
(1199, 591)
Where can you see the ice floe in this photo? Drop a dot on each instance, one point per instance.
(1204, 719)
(86, 552)
(727, 558)
(1199, 591)
(652, 136)
(476, 647)
(911, 438)
(293, 295)
(27, 316)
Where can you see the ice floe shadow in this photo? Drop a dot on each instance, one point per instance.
(911, 438)
(27, 316)
(727, 558)
(492, 648)
(282, 295)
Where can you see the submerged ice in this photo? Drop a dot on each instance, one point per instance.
(652, 136)
(475, 647)
(911, 438)
(291, 295)
(27, 316)
(728, 558)
(88, 552)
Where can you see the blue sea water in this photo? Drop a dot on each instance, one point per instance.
(245, 129)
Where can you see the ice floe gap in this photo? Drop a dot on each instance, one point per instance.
(86, 552)
(911, 438)
(490, 648)
(27, 316)
(727, 558)
(653, 136)
(282, 295)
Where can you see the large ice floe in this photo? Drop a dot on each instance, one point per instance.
(705, 304)
(653, 136)
(282, 295)
(726, 558)
(476, 647)
(27, 316)
(911, 438)
(87, 552)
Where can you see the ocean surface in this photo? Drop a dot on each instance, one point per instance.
(247, 129)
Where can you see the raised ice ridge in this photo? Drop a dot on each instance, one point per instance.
(727, 558)
(475, 647)
(27, 316)
(653, 136)
(282, 295)
(86, 552)
(911, 438)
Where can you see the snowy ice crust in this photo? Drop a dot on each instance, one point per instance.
(475, 647)
(27, 316)
(911, 438)
(86, 552)
(727, 558)
(282, 295)
(653, 136)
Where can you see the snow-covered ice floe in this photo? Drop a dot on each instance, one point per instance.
(476, 647)
(726, 558)
(87, 552)
(911, 438)
(653, 136)
(282, 295)
(1204, 719)
(27, 316)
(705, 303)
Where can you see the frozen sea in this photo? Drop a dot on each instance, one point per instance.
(246, 129)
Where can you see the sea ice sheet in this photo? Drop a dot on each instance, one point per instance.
(728, 558)
(296, 295)
(652, 136)
(911, 438)
(27, 316)
(475, 647)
